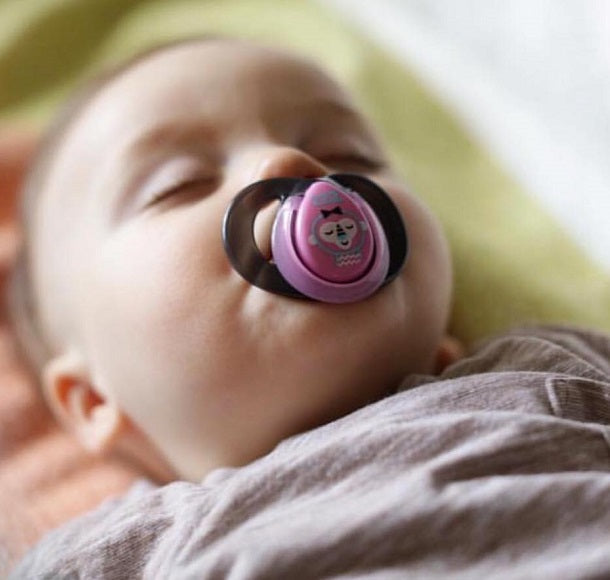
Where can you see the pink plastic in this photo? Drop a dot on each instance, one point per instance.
(329, 244)
(332, 235)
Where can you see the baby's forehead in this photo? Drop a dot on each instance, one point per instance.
(215, 68)
(213, 74)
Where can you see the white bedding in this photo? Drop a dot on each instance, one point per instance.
(529, 78)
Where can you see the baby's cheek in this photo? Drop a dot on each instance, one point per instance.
(144, 280)
(165, 338)
(147, 302)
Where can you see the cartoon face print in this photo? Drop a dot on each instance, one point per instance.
(339, 245)
(340, 232)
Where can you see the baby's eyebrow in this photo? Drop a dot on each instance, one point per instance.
(168, 133)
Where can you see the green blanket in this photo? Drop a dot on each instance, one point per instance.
(513, 263)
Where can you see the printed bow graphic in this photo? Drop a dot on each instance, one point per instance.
(327, 212)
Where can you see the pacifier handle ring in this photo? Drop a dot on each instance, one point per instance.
(238, 235)
(387, 213)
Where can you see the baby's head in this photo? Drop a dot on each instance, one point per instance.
(143, 334)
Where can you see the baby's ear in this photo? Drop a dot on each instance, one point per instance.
(93, 418)
(449, 351)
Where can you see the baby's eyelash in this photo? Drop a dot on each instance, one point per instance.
(181, 187)
(370, 163)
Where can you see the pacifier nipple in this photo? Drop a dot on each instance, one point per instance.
(334, 239)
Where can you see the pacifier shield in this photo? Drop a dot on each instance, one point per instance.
(335, 239)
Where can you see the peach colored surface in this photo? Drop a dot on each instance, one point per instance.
(45, 477)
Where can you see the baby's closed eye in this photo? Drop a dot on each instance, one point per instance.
(352, 161)
(345, 150)
(183, 175)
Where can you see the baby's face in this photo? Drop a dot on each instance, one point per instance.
(135, 286)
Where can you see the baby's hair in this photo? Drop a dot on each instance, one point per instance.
(33, 346)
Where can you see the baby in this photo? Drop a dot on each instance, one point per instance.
(148, 337)
(148, 342)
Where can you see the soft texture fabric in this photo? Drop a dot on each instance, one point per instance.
(499, 468)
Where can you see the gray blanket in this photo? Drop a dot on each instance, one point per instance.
(499, 468)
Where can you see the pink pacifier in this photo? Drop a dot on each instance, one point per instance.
(335, 239)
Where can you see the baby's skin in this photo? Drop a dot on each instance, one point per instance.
(159, 346)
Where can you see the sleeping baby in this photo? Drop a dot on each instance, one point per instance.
(223, 279)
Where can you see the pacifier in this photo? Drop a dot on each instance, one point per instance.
(335, 239)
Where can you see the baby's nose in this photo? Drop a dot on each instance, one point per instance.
(283, 161)
(279, 161)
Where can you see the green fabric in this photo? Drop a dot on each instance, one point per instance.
(513, 263)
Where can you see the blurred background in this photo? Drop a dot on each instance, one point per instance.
(529, 78)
